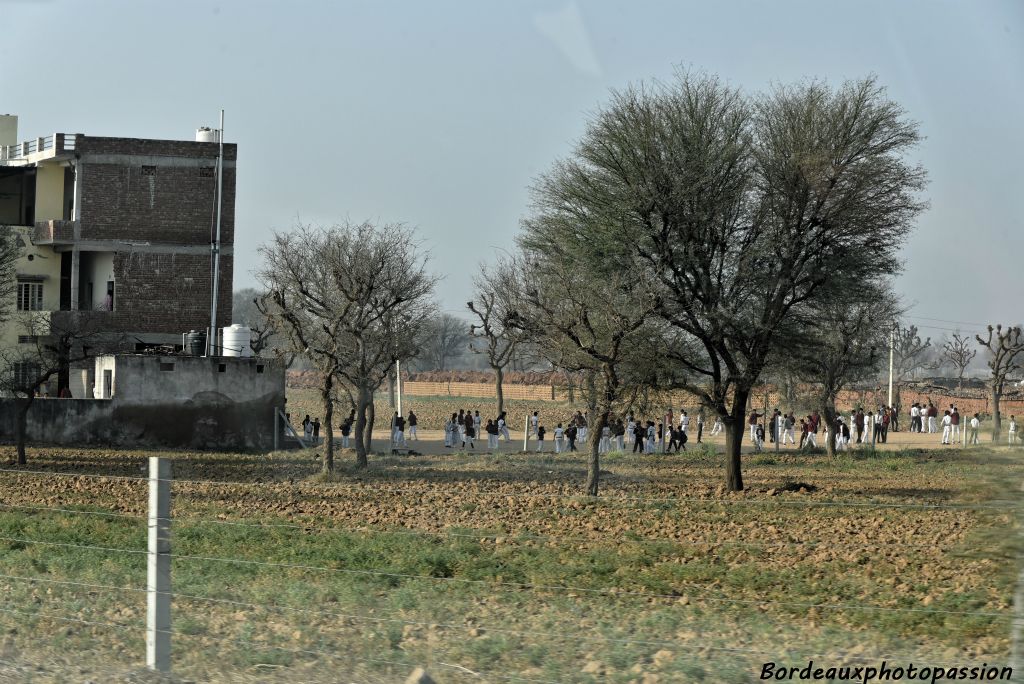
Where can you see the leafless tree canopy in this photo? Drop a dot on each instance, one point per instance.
(10, 252)
(959, 354)
(353, 299)
(444, 337)
(1006, 356)
(490, 331)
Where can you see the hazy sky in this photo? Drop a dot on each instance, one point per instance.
(439, 113)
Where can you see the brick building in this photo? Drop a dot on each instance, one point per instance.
(119, 230)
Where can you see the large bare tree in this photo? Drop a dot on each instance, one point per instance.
(1006, 356)
(959, 354)
(444, 337)
(352, 298)
(491, 335)
(743, 208)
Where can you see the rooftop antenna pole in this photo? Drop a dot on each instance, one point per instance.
(211, 339)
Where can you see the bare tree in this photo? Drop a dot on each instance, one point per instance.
(491, 335)
(58, 340)
(840, 342)
(247, 310)
(584, 314)
(959, 353)
(743, 208)
(909, 355)
(353, 299)
(10, 251)
(444, 336)
(1006, 355)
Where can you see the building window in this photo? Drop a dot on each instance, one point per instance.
(148, 170)
(222, 367)
(30, 296)
(164, 366)
(259, 369)
(25, 374)
(206, 171)
(28, 339)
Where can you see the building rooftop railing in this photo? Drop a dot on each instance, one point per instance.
(57, 143)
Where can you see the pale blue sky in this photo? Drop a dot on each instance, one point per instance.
(439, 113)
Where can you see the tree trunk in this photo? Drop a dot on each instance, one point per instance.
(735, 423)
(593, 442)
(499, 376)
(360, 429)
(828, 411)
(371, 417)
(328, 462)
(997, 422)
(21, 427)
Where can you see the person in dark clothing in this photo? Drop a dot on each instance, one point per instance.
(316, 431)
(412, 425)
(675, 439)
(638, 437)
(570, 434)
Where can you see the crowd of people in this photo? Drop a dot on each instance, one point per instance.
(466, 427)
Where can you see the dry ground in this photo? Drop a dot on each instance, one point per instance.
(492, 568)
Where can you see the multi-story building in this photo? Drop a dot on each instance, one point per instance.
(118, 230)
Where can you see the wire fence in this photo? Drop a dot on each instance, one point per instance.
(685, 595)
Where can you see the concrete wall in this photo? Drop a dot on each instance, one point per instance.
(49, 192)
(8, 129)
(189, 425)
(196, 406)
(143, 380)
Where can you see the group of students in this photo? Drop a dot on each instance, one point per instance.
(465, 428)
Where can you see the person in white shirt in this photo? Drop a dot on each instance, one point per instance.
(503, 428)
(947, 424)
(534, 422)
(975, 424)
(717, 427)
(684, 423)
(1013, 430)
(651, 433)
(476, 423)
(559, 436)
(915, 418)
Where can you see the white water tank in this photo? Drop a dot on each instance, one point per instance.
(236, 341)
(206, 134)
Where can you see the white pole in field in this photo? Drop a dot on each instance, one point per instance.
(158, 583)
(398, 385)
(526, 430)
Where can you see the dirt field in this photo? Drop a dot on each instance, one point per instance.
(491, 568)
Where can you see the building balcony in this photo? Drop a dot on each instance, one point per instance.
(54, 232)
(38, 149)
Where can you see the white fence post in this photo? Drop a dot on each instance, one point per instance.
(526, 430)
(158, 584)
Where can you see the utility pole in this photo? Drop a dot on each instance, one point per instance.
(211, 339)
